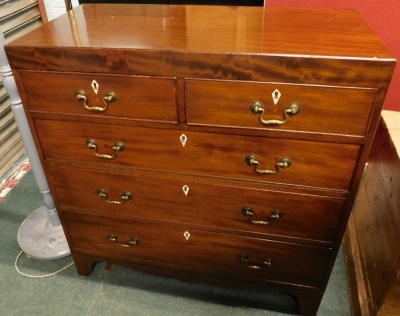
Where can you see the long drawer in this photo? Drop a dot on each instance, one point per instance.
(327, 110)
(136, 97)
(315, 164)
(198, 250)
(231, 209)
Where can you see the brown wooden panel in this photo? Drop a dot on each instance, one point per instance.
(309, 217)
(358, 287)
(373, 240)
(326, 110)
(140, 98)
(373, 255)
(187, 28)
(388, 165)
(313, 164)
(391, 304)
(261, 49)
(202, 251)
(259, 3)
(376, 225)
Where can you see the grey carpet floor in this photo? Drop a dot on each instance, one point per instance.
(122, 291)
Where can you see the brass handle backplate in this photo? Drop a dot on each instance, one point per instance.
(92, 144)
(114, 239)
(258, 107)
(252, 160)
(245, 259)
(109, 97)
(124, 197)
(248, 211)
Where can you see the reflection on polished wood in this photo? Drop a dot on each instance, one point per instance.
(197, 2)
(172, 37)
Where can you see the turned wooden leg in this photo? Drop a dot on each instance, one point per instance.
(84, 264)
(308, 302)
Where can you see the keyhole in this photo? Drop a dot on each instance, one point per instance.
(276, 96)
(183, 139)
(95, 86)
(186, 235)
(185, 189)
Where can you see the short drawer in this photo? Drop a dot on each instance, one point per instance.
(328, 110)
(139, 98)
(197, 250)
(312, 164)
(313, 218)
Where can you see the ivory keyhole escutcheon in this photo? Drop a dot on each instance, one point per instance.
(186, 235)
(183, 139)
(276, 95)
(185, 189)
(95, 86)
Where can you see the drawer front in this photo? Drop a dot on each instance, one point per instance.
(329, 110)
(198, 250)
(312, 163)
(260, 212)
(135, 96)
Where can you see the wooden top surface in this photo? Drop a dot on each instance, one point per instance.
(214, 29)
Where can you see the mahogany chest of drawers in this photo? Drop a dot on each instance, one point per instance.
(215, 144)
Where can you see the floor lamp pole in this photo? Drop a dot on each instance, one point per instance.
(41, 235)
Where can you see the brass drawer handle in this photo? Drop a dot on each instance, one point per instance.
(248, 211)
(109, 97)
(252, 160)
(118, 146)
(132, 242)
(124, 197)
(258, 107)
(246, 261)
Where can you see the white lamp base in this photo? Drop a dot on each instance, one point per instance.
(39, 239)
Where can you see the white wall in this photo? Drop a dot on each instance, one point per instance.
(55, 8)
